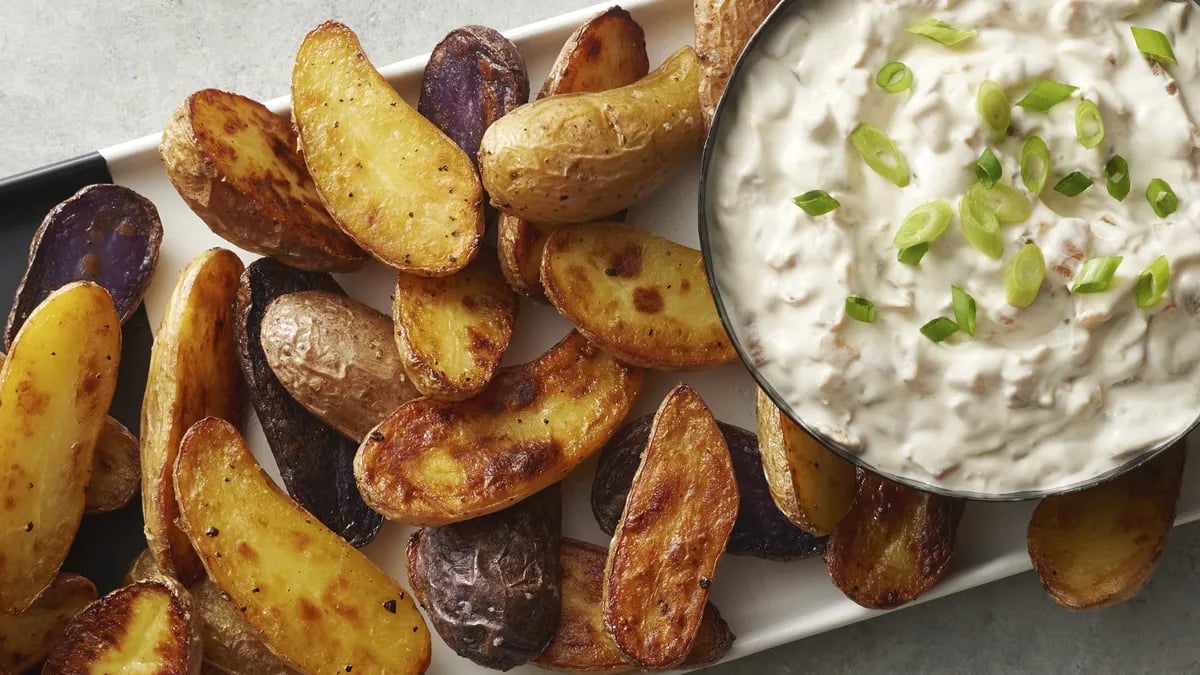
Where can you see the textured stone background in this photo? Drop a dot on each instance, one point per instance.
(86, 74)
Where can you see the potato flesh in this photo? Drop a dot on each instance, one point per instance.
(27, 638)
(1099, 546)
(193, 374)
(393, 182)
(55, 390)
(641, 297)
(435, 462)
(316, 601)
(677, 520)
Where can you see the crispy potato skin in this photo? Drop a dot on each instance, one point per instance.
(390, 178)
(296, 579)
(193, 374)
(1099, 546)
(639, 296)
(452, 331)
(723, 27)
(55, 390)
(676, 523)
(105, 233)
(576, 158)
(117, 472)
(810, 484)
(506, 562)
(335, 357)
(894, 543)
(149, 626)
(27, 638)
(436, 462)
(235, 163)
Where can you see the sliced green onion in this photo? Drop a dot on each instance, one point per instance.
(941, 32)
(964, 310)
(1035, 164)
(1073, 184)
(894, 78)
(939, 329)
(988, 169)
(880, 153)
(926, 223)
(1152, 283)
(1096, 275)
(1089, 125)
(816, 202)
(995, 110)
(980, 226)
(1161, 197)
(1045, 95)
(860, 309)
(913, 254)
(1154, 44)
(1116, 177)
(1007, 202)
(1023, 276)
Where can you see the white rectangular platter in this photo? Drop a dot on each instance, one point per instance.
(766, 603)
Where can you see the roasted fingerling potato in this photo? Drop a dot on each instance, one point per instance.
(236, 165)
(1099, 546)
(439, 462)
(389, 177)
(27, 638)
(452, 331)
(55, 390)
(117, 469)
(577, 158)
(337, 358)
(678, 518)
(894, 543)
(723, 27)
(637, 295)
(316, 601)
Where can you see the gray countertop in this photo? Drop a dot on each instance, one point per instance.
(84, 74)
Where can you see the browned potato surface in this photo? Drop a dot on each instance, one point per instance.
(337, 358)
(117, 472)
(235, 163)
(639, 296)
(390, 178)
(193, 374)
(55, 390)
(677, 520)
(316, 601)
(894, 543)
(809, 483)
(452, 331)
(723, 27)
(435, 462)
(1098, 547)
(27, 638)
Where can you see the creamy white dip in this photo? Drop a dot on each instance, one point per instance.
(1041, 397)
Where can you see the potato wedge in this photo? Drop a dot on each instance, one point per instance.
(723, 27)
(810, 484)
(230, 644)
(452, 331)
(336, 357)
(147, 627)
(1098, 547)
(55, 390)
(235, 163)
(639, 296)
(105, 233)
(390, 178)
(577, 158)
(117, 469)
(434, 462)
(316, 601)
(676, 523)
(27, 638)
(193, 374)
(314, 459)
(893, 544)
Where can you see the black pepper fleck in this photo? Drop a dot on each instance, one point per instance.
(390, 606)
(29, 526)
(225, 596)
(610, 271)
(704, 582)
(212, 532)
(377, 436)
